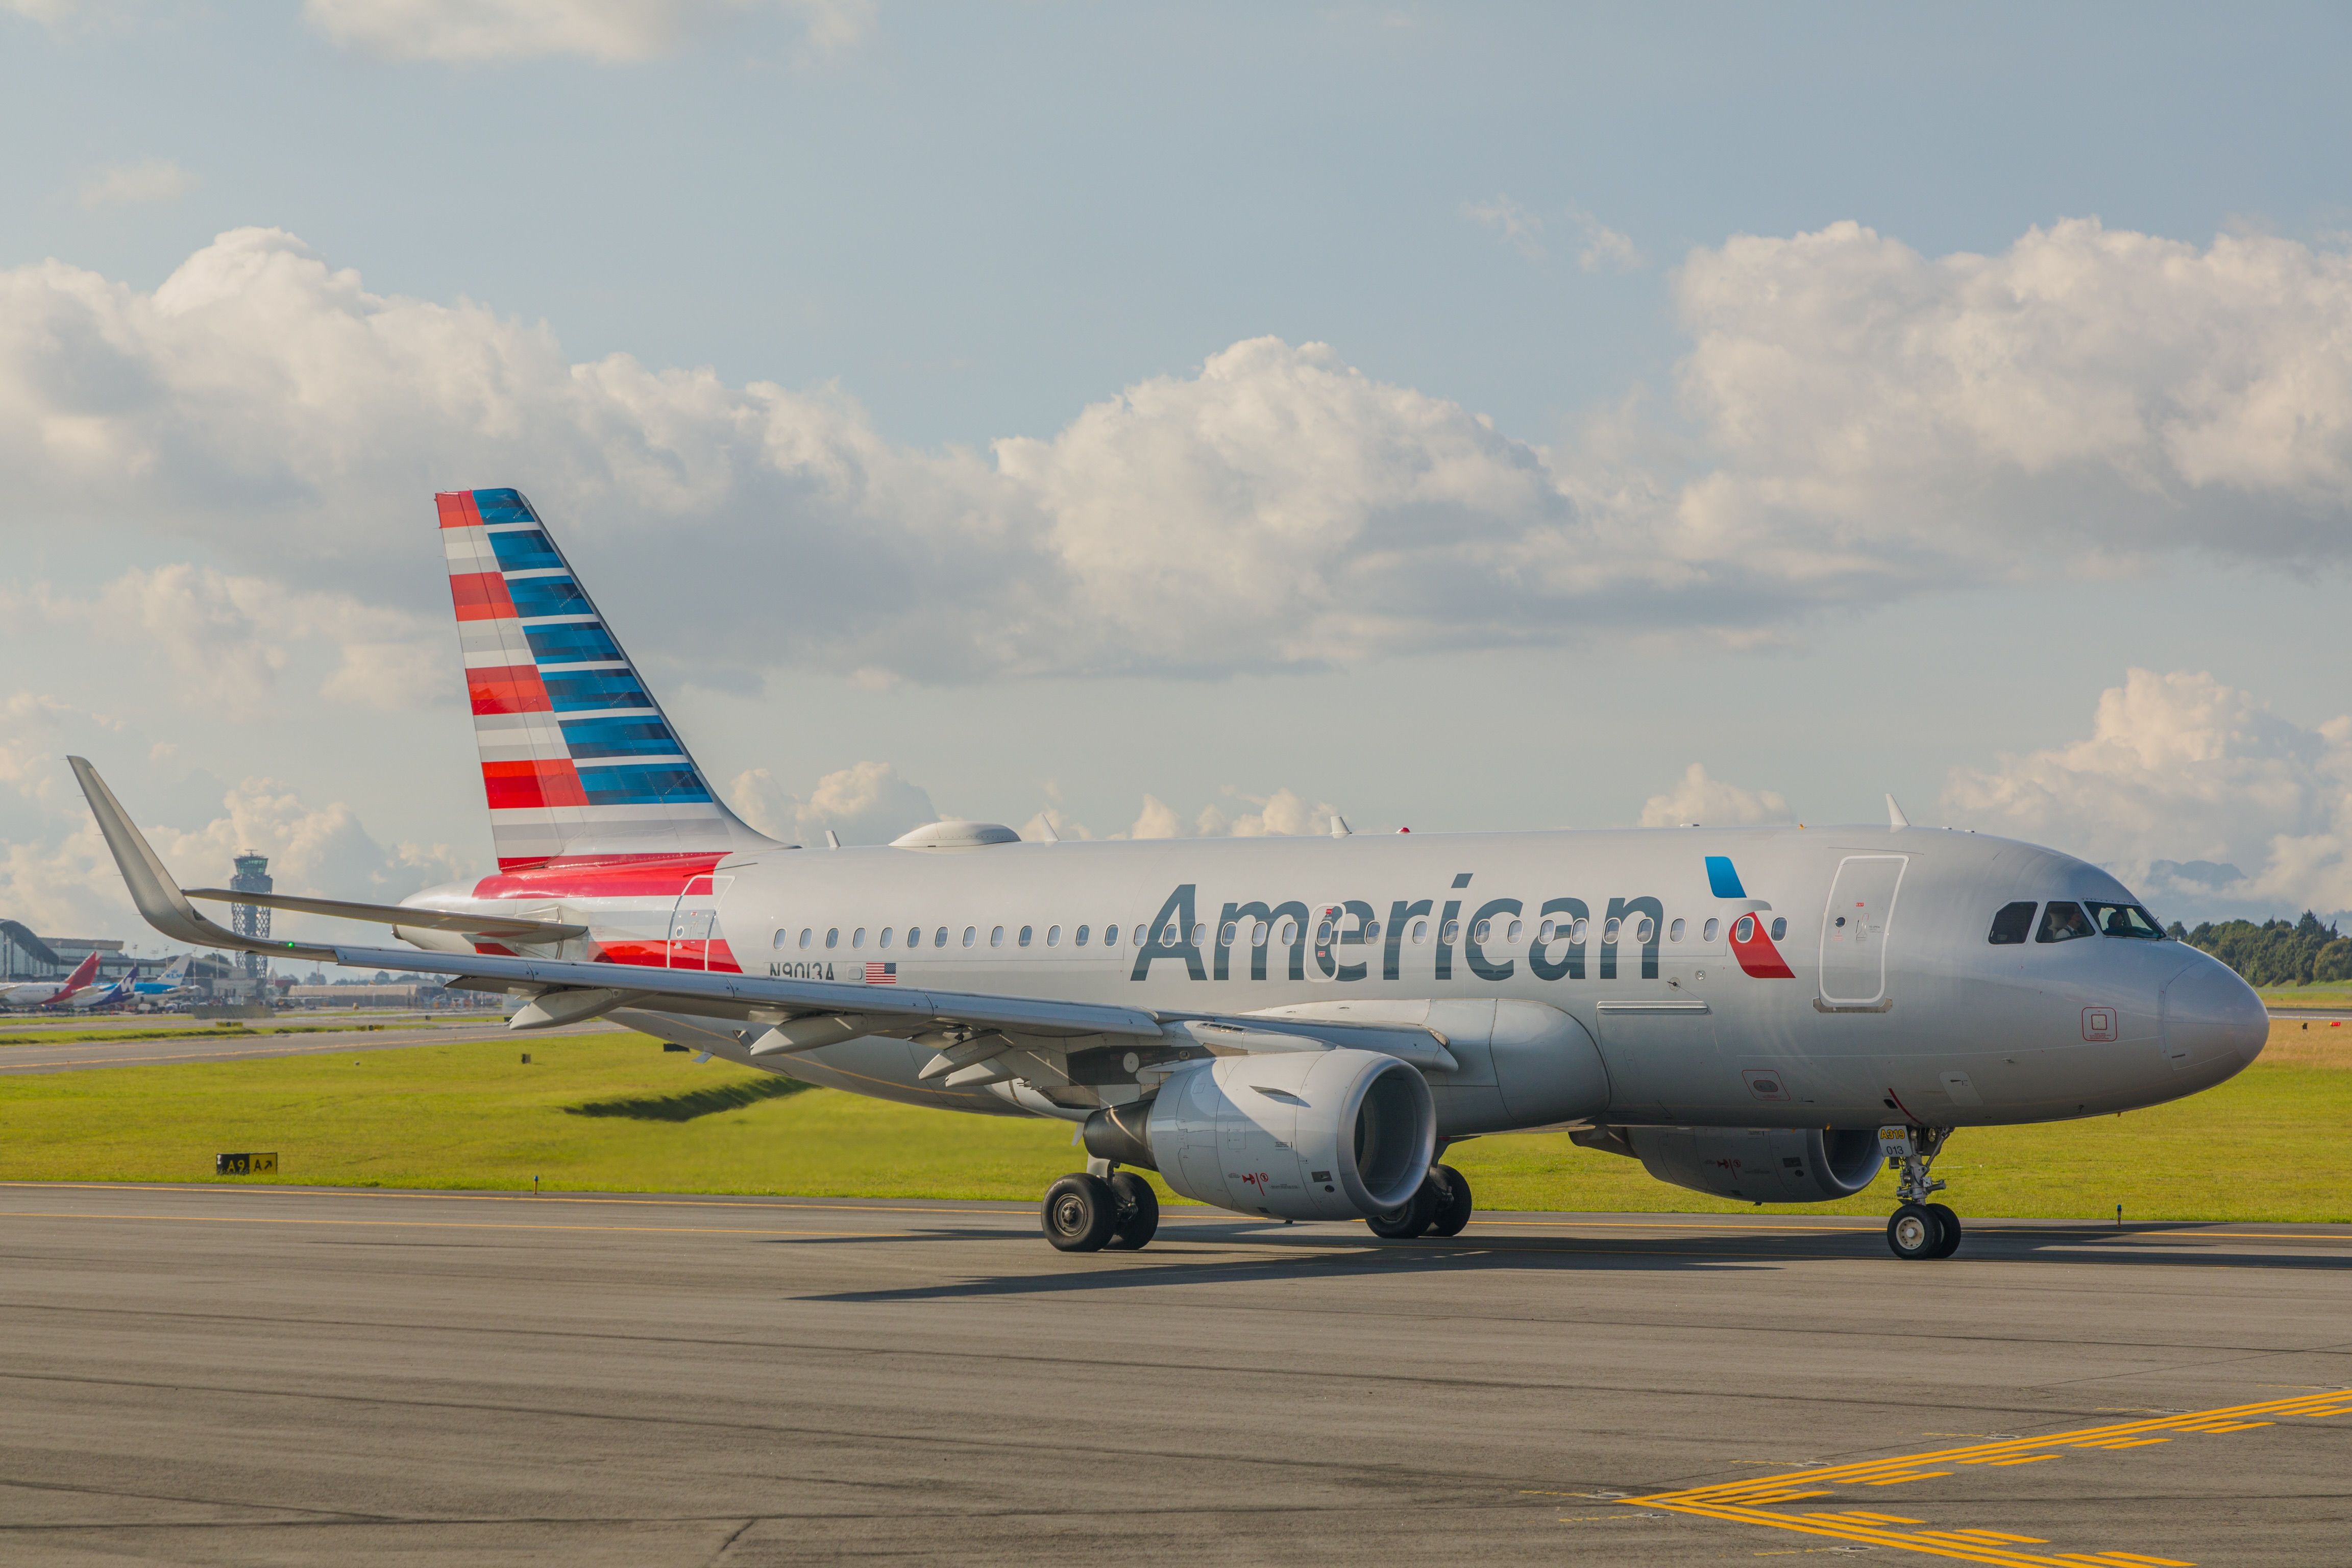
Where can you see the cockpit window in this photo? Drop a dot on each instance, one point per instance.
(2064, 923)
(2126, 919)
(2012, 924)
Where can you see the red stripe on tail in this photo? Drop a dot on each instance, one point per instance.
(518, 785)
(459, 509)
(481, 597)
(509, 688)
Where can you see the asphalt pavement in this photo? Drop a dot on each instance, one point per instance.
(255, 1375)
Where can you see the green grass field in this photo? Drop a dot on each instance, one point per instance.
(613, 1112)
(2337, 997)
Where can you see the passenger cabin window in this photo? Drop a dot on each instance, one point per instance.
(1706, 933)
(887, 934)
(780, 934)
(2064, 922)
(806, 935)
(996, 936)
(833, 937)
(857, 937)
(1674, 931)
(1780, 929)
(1053, 936)
(2126, 919)
(2011, 925)
(1025, 935)
(1110, 936)
(969, 934)
(940, 937)
(1080, 935)
(1419, 932)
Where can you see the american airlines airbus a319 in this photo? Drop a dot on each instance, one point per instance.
(1287, 1027)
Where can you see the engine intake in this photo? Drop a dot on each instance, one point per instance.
(1335, 1134)
(1759, 1165)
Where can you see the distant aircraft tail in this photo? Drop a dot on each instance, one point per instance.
(176, 971)
(83, 974)
(578, 761)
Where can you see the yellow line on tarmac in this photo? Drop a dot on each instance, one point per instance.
(1742, 1501)
(440, 1223)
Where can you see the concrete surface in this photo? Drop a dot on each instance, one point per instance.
(260, 1376)
(74, 1055)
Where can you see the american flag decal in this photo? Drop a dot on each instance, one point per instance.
(881, 974)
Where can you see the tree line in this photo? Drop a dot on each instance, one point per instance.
(2277, 952)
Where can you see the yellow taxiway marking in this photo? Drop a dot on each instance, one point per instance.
(1752, 1502)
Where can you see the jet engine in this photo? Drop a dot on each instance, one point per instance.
(1317, 1135)
(1759, 1165)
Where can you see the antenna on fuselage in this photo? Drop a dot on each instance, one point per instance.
(1894, 817)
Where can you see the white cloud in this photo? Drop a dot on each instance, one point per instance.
(64, 881)
(1605, 249)
(225, 640)
(123, 184)
(610, 31)
(2088, 399)
(1863, 423)
(2179, 769)
(1699, 799)
(865, 804)
(1519, 228)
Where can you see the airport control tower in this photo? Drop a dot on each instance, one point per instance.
(251, 919)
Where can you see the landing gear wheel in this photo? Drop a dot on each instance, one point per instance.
(1950, 1223)
(1454, 1212)
(1417, 1215)
(1916, 1231)
(1079, 1213)
(1139, 1212)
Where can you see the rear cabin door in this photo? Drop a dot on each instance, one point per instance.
(695, 939)
(1854, 930)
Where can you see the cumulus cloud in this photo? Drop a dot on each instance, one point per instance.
(225, 640)
(2193, 792)
(610, 31)
(866, 804)
(2096, 395)
(64, 882)
(1699, 799)
(1859, 422)
(125, 185)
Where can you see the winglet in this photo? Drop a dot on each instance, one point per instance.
(1894, 817)
(159, 897)
(1339, 828)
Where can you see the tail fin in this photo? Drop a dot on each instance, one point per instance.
(83, 974)
(578, 761)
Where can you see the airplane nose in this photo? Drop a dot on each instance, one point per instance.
(2210, 1016)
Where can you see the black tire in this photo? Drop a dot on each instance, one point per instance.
(1139, 1212)
(1951, 1222)
(1454, 1212)
(1915, 1231)
(1416, 1216)
(1078, 1213)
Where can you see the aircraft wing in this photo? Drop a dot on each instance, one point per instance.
(982, 1037)
(563, 991)
(507, 928)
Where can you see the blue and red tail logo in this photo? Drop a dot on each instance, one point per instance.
(1751, 942)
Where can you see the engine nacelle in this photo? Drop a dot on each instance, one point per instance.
(1294, 1134)
(1759, 1165)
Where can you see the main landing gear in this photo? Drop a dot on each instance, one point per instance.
(1918, 1228)
(1438, 1206)
(1085, 1212)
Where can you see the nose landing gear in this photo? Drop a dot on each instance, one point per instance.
(1918, 1228)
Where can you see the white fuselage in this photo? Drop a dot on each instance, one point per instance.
(1894, 1007)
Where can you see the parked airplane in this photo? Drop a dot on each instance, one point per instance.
(1288, 1027)
(173, 981)
(33, 993)
(91, 997)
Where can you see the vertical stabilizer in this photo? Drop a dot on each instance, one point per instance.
(578, 761)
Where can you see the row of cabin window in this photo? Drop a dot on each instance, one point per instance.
(2066, 922)
(1645, 930)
